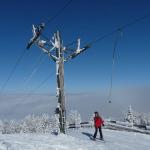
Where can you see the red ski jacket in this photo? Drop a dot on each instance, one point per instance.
(98, 122)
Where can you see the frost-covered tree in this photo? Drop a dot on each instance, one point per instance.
(6, 127)
(14, 127)
(28, 124)
(129, 117)
(137, 118)
(55, 124)
(1, 126)
(148, 119)
(143, 119)
(74, 118)
(35, 124)
(45, 123)
(91, 121)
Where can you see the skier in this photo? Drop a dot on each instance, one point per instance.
(98, 123)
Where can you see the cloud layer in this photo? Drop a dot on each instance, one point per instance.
(16, 106)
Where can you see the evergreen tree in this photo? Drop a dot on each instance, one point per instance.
(129, 115)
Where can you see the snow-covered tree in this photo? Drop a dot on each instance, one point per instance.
(143, 120)
(45, 123)
(6, 127)
(37, 124)
(137, 118)
(129, 117)
(148, 119)
(74, 118)
(1, 126)
(91, 121)
(14, 127)
(55, 124)
(28, 124)
(32, 124)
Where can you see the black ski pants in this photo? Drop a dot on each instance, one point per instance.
(100, 131)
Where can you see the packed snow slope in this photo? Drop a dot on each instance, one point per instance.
(76, 140)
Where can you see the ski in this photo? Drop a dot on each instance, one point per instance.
(96, 139)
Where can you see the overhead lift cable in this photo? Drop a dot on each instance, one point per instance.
(135, 21)
(118, 31)
(59, 12)
(13, 70)
(34, 69)
(118, 35)
(41, 84)
(23, 53)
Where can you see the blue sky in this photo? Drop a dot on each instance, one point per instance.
(90, 72)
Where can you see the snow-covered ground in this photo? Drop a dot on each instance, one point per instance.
(77, 139)
(126, 127)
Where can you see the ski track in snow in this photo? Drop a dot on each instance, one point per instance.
(77, 139)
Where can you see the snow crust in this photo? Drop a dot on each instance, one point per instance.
(77, 139)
